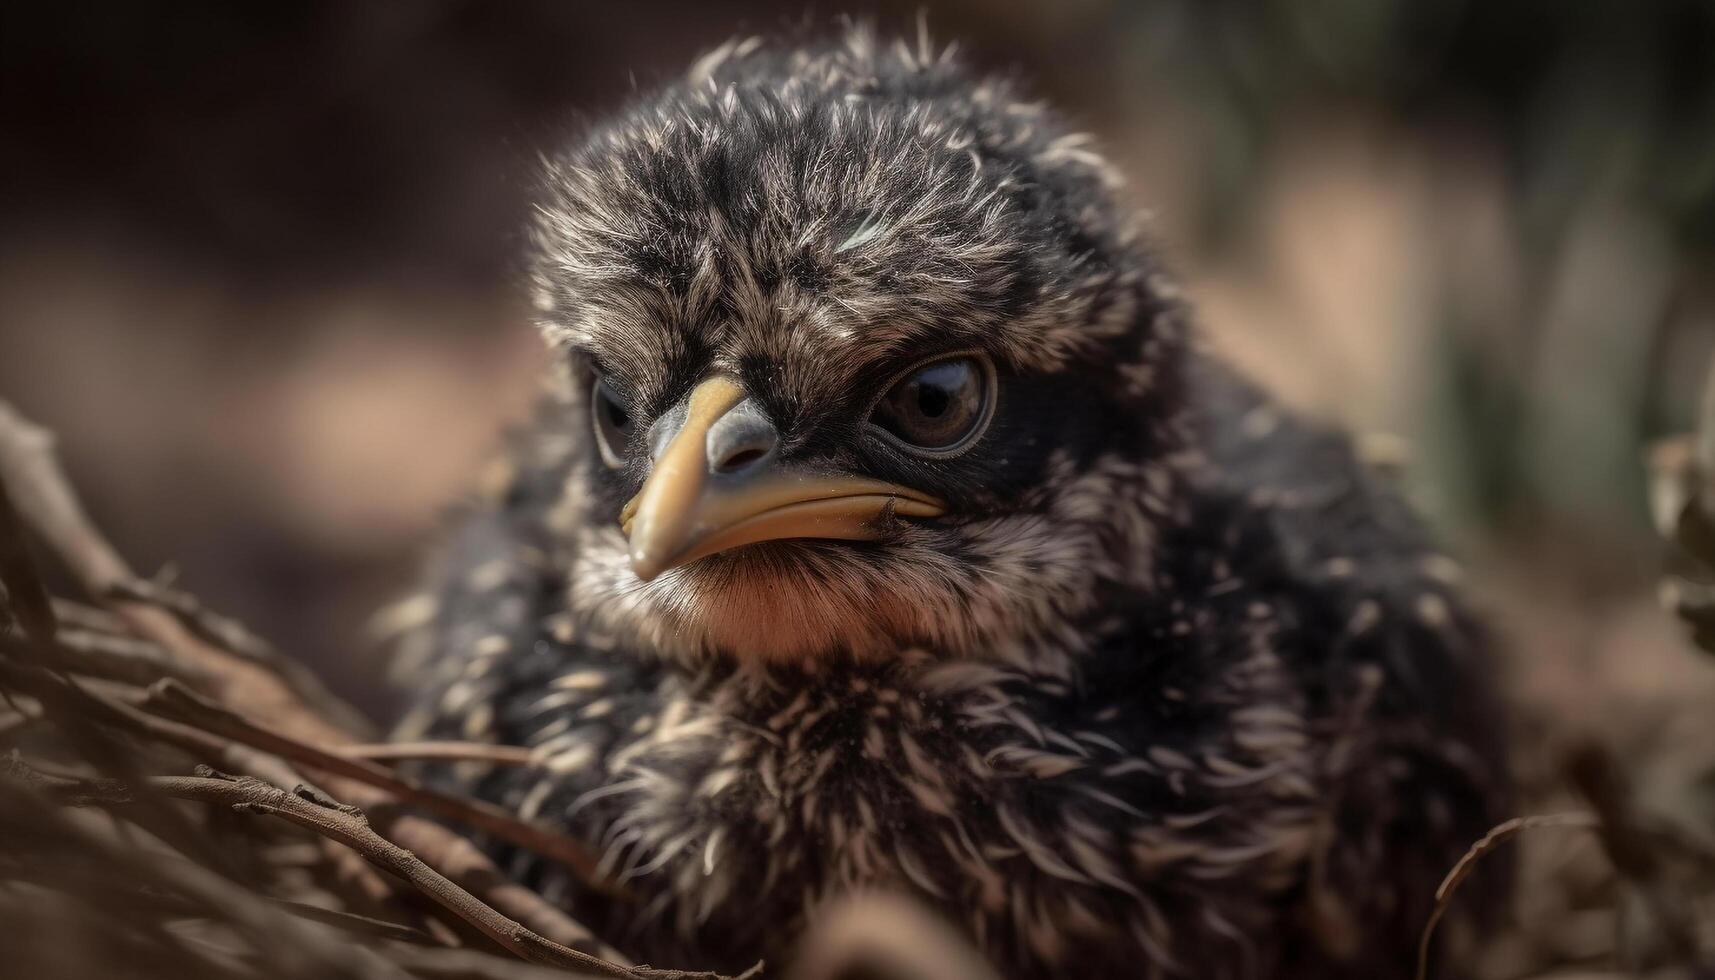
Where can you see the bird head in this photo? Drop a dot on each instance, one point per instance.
(867, 357)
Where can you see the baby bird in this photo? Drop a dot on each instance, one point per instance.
(886, 526)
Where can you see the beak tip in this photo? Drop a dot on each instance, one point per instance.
(644, 565)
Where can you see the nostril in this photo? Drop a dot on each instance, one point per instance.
(741, 439)
(740, 459)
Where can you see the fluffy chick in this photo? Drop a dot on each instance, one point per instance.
(886, 526)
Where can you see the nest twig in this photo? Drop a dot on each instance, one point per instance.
(150, 679)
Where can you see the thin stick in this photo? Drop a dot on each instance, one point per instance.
(90, 705)
(1497, 836)
(233, 637)
(122, 658)
(81, 615)
(291, 946)
(178, 702)
(361, 924)
(349, 826)
(228, 633)
(453, 854)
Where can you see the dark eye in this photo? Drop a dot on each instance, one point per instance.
(938, 408)
(612, 423)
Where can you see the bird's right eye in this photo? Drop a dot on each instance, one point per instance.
(612, 423)
(938, 408)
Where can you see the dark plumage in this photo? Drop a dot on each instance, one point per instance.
(1150, 679)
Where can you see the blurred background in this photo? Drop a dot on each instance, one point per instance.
(257, 269)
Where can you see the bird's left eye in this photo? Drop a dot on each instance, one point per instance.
(612, 423)
(939, 408)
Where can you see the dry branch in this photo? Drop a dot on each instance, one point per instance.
(347, 825)
(362, 924)
(1497, 836)
(152, 665)
(177, 702)
(291, 946)
(46, 502)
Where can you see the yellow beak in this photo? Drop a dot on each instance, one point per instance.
(717, 485)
